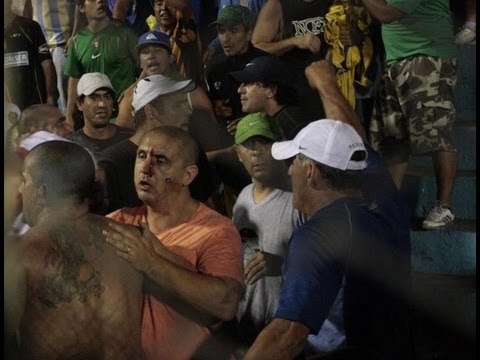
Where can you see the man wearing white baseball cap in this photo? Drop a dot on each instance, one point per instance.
(338, 263)
(156, 58)
(96, 104)
(159, 95)
(328, 142)
(157, 100)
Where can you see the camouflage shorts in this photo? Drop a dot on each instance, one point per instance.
(416, 110)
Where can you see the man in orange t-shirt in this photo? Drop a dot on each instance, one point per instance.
(190, 255)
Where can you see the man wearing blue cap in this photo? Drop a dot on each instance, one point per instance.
(155, 56)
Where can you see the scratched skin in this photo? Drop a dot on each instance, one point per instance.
(83, 301)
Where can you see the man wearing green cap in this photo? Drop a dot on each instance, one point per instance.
(265, 217)
(234, 26)
(253, 5)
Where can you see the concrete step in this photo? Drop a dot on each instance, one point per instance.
(466, 87)
(466, 142)
(419, 191)
(443, 316)
(450, 250)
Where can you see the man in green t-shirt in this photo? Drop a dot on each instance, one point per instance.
(101, 46)
(417, 105)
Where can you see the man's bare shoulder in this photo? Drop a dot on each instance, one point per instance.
(69, 261)
(77, 285)
(269, 23)
(69, 229)
(272, 8)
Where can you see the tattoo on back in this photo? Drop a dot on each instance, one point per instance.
(68, 274)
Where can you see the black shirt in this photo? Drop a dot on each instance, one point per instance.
(291, 120)
(301, 18)
(222, 86)
(25, 48)
(98, 145)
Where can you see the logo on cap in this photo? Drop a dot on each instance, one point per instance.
(150, 37)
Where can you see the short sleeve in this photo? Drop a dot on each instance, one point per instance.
(312, 279)
(73, 68)
(39, 43)
(222, 254)
(407, 6)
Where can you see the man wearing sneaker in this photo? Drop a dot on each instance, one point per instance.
(468, 33)
(417, 108)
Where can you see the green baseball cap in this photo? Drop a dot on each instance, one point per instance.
(235, 14)
(257, 124)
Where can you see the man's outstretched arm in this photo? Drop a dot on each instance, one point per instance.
(281, 339)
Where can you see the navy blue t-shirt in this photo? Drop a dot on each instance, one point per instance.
(350, 238)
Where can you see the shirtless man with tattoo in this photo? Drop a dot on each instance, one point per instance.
(67, 295)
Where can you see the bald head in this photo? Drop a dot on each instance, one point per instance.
(185, 142)
(43, 117)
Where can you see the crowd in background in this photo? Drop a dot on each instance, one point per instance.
(218, 179)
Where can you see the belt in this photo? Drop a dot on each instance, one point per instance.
(53, 46)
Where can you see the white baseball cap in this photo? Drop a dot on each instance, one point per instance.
(91, 82)
(153, 86)
(329, 142)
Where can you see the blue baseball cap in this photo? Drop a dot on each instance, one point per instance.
(154, 38)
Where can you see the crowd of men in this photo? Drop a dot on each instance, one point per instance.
(182, 201)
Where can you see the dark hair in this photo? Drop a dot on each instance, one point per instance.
(285, 94)
(65, 167)
(340, 180)
(78, 119)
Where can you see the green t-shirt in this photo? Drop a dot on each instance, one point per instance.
(426, 28)
(110, 51)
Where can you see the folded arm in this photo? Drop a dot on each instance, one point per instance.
(217, 297)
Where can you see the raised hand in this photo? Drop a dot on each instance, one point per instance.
(262, 264)
(134, 244)
(308, 42)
